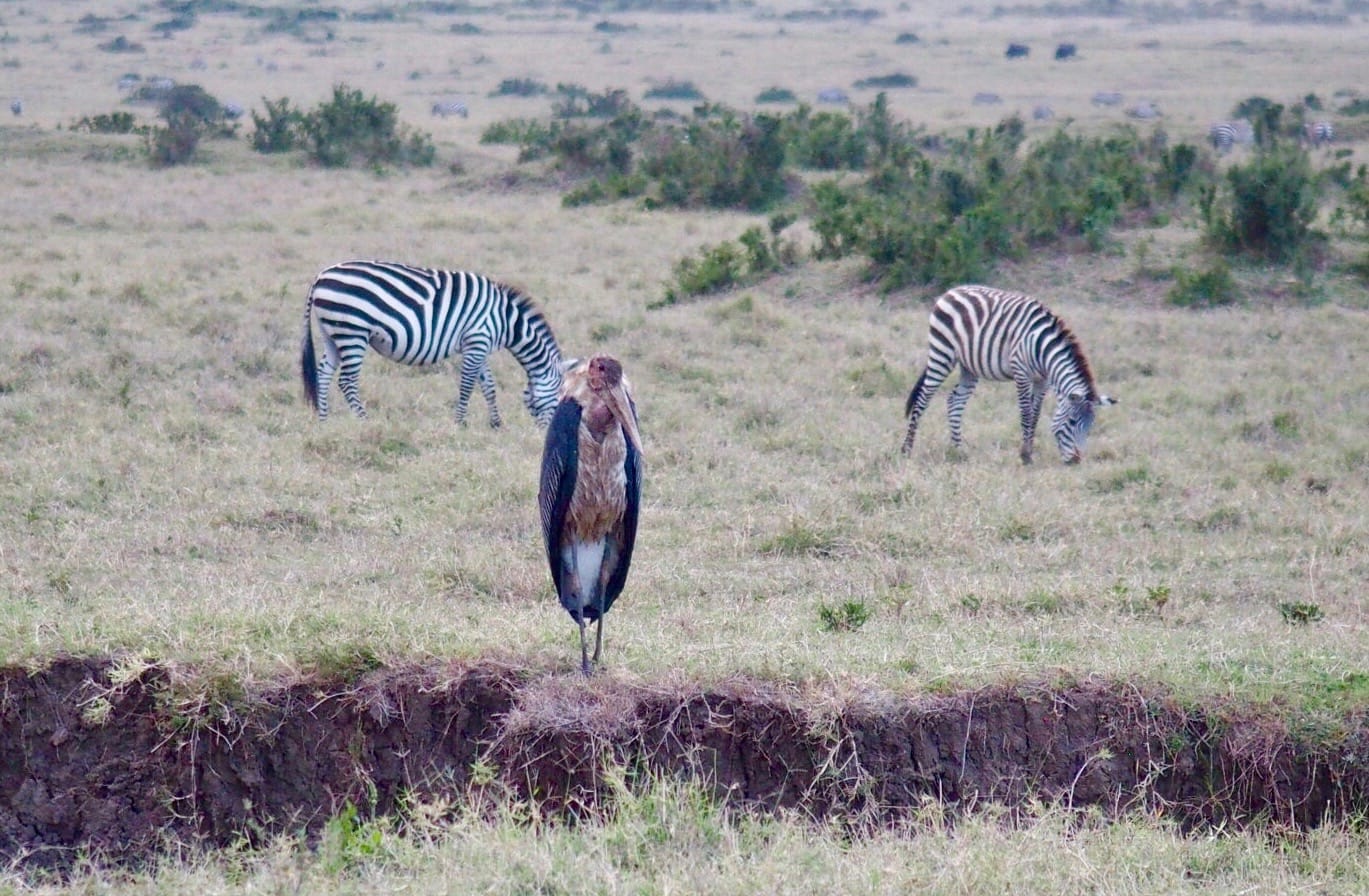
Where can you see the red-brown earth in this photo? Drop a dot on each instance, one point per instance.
(122, 766)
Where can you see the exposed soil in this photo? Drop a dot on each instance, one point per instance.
(123, 765)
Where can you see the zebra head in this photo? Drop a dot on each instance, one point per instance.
(1072, 421)
(543, 392)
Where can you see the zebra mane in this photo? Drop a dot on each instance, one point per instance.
(1076, 352)
(529, 311)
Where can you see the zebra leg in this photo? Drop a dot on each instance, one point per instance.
(956, 401)
(487, 389)
(324, 379)
(349, 376)
(918, 399)
(1030, 393)
(474, 367)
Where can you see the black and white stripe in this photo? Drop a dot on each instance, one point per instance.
(1223, 135)
(420, 316)
(1318, 133)
(998, 335)
(450, 107)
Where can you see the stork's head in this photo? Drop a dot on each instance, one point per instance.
(1072, 421)
(603, 377)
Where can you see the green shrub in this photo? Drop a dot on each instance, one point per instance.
(1266, 207)
(1300, 612)
(729, 264)
(122, 44)
(825, 141)
(1202, 289)
(674, 90)
(848, 617)
(352, 128)
(884, 82)
(776, 95)
(522, 131)
(519, 87)
(718, 159)
(575, 101)
(281, 130)
(1176, 169)
(190, 113)
(112, 123)
(953, 217)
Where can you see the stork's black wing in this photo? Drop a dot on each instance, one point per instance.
(560, 461)
(626, 536)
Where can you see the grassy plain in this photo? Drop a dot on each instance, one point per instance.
(166, 493)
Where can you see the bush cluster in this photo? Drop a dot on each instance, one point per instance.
(349, 129)
(191, 114)
(933, 210)
(730, 264)
(949, 216)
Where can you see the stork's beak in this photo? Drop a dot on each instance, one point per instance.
(618, 403)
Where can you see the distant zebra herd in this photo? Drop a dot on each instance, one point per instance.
(1225, 135)
(1318, 133)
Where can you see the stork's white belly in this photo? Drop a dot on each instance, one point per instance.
(587, 559)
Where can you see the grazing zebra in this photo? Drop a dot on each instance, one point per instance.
(419, 316)
(1225, 134)
(1318, 133)
(450, 107)
(999, 335)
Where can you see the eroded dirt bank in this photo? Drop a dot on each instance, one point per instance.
(97, 756)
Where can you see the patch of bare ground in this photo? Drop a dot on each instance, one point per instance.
(120, 761)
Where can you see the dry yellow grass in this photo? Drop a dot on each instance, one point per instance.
(168, 493)
(165, 492)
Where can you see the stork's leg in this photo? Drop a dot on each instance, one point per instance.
(598, 639)
(584, 649)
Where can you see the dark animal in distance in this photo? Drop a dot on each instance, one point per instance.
(1017, 51)
(1065, 51)
(994, 334)
(590, 494)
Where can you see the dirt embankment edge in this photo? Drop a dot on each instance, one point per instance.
(102, 757)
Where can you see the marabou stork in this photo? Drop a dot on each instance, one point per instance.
(590, 493)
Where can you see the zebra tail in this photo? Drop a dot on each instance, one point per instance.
(912, 396)
(308, 364)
